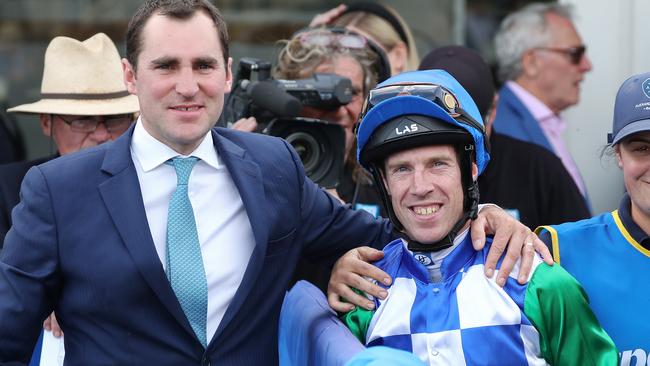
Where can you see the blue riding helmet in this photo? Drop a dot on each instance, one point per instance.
(465, 114)
(422, 108)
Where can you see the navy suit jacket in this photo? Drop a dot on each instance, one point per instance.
(11, 175)
(80, 244)
(515, 120)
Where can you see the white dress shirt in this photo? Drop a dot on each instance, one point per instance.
(224, 230)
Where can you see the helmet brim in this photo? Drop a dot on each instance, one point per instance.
(415, 105)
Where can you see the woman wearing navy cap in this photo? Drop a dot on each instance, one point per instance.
(610, 253)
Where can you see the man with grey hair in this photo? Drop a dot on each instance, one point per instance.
(542, 61)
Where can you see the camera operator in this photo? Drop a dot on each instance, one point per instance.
(348, 54)
(345, 53)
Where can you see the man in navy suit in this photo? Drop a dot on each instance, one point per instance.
(542, 61)
(93, 236)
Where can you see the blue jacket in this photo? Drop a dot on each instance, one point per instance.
(514, 119)
(80, 245)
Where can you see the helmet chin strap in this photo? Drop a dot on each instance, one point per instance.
(470, 203)
(470, 206)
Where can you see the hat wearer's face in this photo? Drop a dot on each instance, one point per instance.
(181, 79)
(425, 190)
(633, 157)
(68, 141)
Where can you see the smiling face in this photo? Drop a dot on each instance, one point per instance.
(181, 79)
(425, 190)
(633, 156)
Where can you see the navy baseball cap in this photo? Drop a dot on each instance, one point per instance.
(632, 108)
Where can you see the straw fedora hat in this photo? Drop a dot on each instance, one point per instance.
(82, 78)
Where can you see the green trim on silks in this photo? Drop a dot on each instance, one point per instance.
(569, 332)
(358, 320)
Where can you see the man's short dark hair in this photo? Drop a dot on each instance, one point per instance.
(177, 9)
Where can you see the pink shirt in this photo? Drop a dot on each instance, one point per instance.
(552, 126)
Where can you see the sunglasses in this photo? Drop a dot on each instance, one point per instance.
(435, 93)
(332, 38)
(575, 53)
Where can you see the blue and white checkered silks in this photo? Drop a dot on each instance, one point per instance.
(466, 319)
(185, 270)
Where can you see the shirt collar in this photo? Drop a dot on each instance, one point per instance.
(457, 259)
(454, 258)
(625, 213)
(152, 153)
(536, 107)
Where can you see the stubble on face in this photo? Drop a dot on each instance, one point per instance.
(426, 191)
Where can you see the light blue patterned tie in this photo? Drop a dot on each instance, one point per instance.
(185, 270)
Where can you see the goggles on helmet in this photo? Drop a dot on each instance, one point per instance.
(435, 93)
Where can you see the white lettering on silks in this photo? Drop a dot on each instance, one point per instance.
(639, 356)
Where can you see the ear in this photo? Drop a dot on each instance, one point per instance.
(228, 76)
(397, 57)
(128, 72)
(474, 172)
(46, 124)
(617, 150)
(530, 64)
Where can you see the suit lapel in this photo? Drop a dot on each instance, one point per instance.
(123, 200)
(527, 122)
(247, 177)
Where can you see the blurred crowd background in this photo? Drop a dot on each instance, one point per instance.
(614, 32)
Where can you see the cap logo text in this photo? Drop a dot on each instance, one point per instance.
(406, 129)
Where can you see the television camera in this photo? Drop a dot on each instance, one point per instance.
(276, 105)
